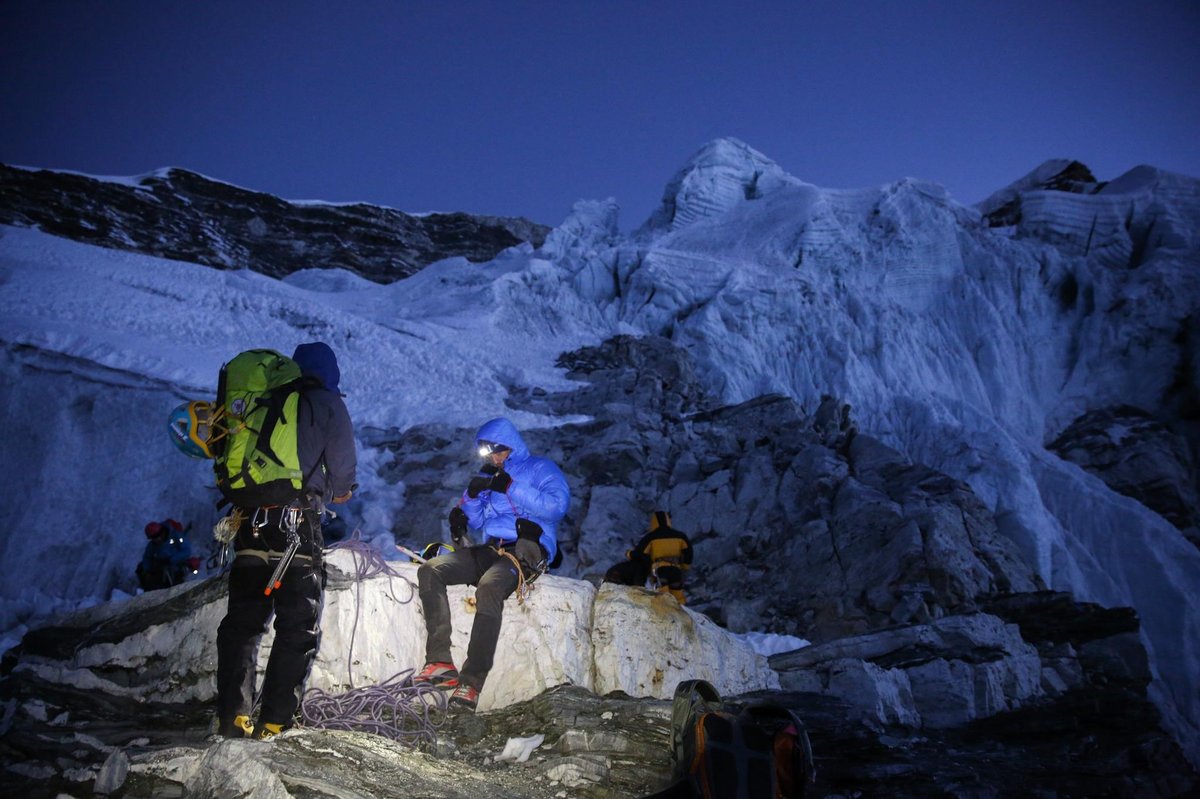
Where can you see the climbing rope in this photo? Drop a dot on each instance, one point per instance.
(395, 708)
(368, 563)
(524, 584)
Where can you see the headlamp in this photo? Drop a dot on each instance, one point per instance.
(487, 448)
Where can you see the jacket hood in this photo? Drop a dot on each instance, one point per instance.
(502, 431)
(317, 360)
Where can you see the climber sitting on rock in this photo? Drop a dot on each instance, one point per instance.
(658, 560)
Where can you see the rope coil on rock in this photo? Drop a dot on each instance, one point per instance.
(396, 708)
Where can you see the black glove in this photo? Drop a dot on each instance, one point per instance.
(529, 530)
(489, 478)
(527, 548)
(529, 554)
(458, 528)
(501, 481)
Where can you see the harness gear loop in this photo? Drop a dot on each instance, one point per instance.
(290, 518)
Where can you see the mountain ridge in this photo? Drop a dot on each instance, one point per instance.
(183, 215)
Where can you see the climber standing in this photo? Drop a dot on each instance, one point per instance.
(659, 559)
(325, 452)
(515, 502)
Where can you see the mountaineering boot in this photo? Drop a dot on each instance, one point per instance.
(240, 727)
(265, 732)
(442, 675)
(465, 695)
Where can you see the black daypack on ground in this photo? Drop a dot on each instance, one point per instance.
(759, 752)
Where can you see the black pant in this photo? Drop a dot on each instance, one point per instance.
(495, 578)
(297, 607)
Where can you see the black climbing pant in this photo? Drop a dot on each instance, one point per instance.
(495, 578)
(297, 607)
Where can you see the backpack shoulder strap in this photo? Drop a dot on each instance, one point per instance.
(792, 749)
(693, 698)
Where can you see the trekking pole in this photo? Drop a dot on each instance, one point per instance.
(291, 521)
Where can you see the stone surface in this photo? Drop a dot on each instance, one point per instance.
(943, 674)
(1093, 743)
(627, 620)
(1139, 456)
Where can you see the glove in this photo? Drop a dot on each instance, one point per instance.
(490, 478)
(528, 549)
(529, 554)
(529, 530)
(501, 481)
(458, 528)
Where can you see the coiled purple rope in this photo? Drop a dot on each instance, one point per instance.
(395, 708)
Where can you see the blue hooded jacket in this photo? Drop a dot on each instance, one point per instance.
(538, 492)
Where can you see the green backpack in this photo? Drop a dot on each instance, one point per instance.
(253, 430)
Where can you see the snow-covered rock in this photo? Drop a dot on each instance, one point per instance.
(161, 647)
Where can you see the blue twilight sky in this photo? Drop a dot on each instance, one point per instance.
(522, 108)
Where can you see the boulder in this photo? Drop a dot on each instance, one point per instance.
(942, 674)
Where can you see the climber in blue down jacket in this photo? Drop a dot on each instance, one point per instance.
(515, 502)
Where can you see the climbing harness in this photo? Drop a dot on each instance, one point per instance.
(289, 523)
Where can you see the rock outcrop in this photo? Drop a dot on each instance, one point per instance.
(796, 531)
(179, 214)
(1137, 455)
